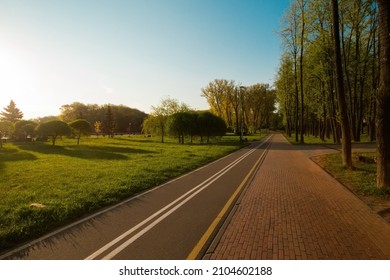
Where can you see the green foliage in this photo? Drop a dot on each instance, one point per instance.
(11, 113)
(109, 123)
(81, 127)
(190, 124)
(6, 130)
(53, 129)
(157, 122)
(24, 129)
(98, 127)
(210, 125)
(123, 116)
(359, 34)
(250, 107)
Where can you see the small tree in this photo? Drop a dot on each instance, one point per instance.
(24, 129)
(6, 129)
(210, 125)
(11, 113)
(109, 124)
(53, 129)
(81, 127)
(98, 127)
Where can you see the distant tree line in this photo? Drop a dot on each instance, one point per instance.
(169, 118)
(112, 118)
(76, 119)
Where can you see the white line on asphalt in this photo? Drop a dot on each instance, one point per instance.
(105, 210)
(197, 189)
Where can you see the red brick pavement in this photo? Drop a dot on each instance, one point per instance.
(295, 210)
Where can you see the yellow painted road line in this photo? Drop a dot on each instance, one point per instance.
(206, 236)
(164, 212)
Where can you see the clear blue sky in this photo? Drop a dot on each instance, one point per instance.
(134, 52)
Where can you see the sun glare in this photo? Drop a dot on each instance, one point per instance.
(18, 78)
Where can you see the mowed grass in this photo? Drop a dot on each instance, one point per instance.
(312, 140)
(308, 140)
(44, 186)
(361, 180)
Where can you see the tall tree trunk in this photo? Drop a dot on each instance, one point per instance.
(383, 99)
(296, 98)
(302, 7)
(345, 128)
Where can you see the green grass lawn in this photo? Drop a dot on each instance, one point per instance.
(71, 180)
(312, 140)
(362, 179)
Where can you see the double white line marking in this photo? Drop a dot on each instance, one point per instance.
(163, 213)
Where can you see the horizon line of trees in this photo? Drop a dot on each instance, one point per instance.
(107, 118)
(169, 118)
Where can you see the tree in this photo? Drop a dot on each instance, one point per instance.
(53, 129)
(359, 54)
(6, 130)
(285, 92)
(81, 127)
(94, 112)
(223, 98)
(210, 125)
(178, 125)
(98, 127)
(383, 99)
(109, 123)
(346, 132)
(11, 113)
(290, 35)
(157, 121)
(259, 105)
(24, 129)
(183, 124)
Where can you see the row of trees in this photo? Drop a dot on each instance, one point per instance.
(77, 119)
(242, 108)
(106, 119)
(306, 80)
(332, 76)
(111, 118)
(23, 130)
(82, 119)
(178, 120)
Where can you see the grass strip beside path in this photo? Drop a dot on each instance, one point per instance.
(43, 187)
(361, 180)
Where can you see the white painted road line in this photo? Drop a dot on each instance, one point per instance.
(178, 202)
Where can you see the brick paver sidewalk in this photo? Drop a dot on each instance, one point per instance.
(295, 210)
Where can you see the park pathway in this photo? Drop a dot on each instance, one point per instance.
(295, 210)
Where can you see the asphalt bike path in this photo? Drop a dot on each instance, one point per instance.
(172, 221)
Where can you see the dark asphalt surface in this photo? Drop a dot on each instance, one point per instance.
(163, 223)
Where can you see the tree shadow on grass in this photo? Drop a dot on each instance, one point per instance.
(15, 155)
(121, 150)
(10, 155)
(81, 151)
